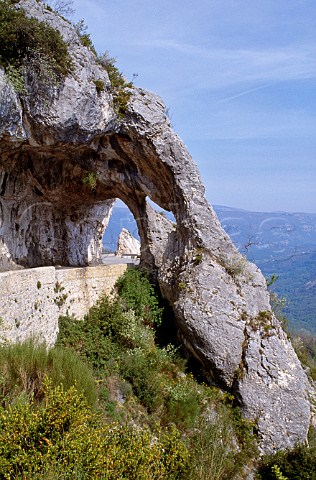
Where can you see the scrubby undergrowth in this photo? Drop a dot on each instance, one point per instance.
(108, 402)
(31, 52)
(298, 463)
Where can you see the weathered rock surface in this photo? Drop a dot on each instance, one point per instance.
(50, 215)
(127, 244)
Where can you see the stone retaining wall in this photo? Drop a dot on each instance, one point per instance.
(31, 300)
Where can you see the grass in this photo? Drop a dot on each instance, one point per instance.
(212, 459)
(24, 366)
(108, 399)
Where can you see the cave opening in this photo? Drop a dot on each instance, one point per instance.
(55, 204)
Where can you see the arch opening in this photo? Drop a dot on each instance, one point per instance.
(121, 217)
(55, 205)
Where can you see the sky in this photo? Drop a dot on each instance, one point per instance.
(239, 81)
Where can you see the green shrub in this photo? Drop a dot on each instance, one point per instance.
(116, 341)
(99, 85)
(90, 180)
(24, 366)
(85, 38)
(101, 336)
(141, 369)
(138, 294)
(16, 78)
(277, 472)
(89, 342)
(161, 387)
(26, 42)
(183, 402)
(138, 454)
(119, 85)
(38, 431)
(294, 464)
(63, 438)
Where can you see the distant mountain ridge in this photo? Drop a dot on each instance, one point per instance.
(280, 243)
(278, 234)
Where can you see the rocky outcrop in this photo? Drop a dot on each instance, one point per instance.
(127, 244)
(65, 159)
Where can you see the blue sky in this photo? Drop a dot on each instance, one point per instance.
(239, 80)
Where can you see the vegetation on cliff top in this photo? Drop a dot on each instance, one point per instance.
(120, 87)
(35, 55)
(29, 47)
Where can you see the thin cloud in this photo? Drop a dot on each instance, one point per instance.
(232, 66)
(242, 94)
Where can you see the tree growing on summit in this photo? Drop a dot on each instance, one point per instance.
(63, 7)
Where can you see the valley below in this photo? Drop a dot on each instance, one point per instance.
(280, 243)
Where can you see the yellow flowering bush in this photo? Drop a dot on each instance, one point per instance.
(63, 438)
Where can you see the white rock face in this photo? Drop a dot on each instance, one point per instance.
(127, 244)
(63, 160)
(75, 109)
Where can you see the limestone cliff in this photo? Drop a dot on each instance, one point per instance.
(50, 214)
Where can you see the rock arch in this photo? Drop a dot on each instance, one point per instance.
(220, 301)
(56, 202)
